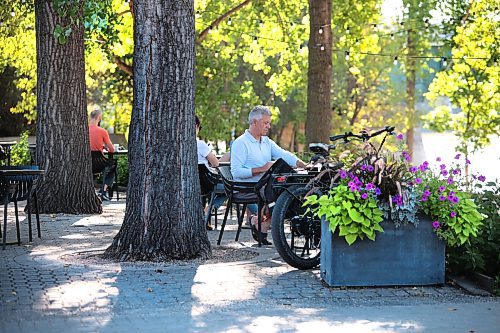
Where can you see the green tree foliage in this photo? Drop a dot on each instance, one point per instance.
(471, 85)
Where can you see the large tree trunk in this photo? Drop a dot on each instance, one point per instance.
(319, 75)
(63, 148)
(163, 218)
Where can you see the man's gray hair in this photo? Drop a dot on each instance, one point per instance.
(257, 113)
(95, 114)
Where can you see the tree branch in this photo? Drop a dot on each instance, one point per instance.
(123, 66)
(215, 23)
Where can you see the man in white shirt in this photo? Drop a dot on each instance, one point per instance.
(253, 153)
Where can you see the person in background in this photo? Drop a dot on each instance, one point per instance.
(252, 154)
(99, 138)
(207, 157)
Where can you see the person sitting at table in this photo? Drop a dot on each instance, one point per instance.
(207, 157)
(99, 138)
(252, 154)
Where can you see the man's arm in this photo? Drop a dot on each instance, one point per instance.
(107, 142)
(291, 159)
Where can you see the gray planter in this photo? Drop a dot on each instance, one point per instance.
(406, 255)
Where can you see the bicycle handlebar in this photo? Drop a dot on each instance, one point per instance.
(363, 136)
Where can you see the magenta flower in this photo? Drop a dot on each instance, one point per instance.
(399, 136)
(413, 169)
(456, 171)
(467, 161)
(453, 214)
(418, 180)
(407, 156)
(427, 193)
(481, 178)
(444, 173)
(370, 168)
(442, 188)
(423, 167)
(435, 224)
(457, 156)
(370, 186)
(363, 167)
(438, 159)
(442, 166)
(450, 180)
(378, 191)
(442, 198)
(343, 174)
(423, 198)
(364, 195)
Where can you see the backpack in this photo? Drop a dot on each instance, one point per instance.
(264, 186)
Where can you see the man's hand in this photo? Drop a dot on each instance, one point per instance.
(262, 169)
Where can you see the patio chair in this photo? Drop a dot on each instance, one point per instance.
(99, 162)
(209, 190)
(7, 190)
(231, 187)
(25, 189)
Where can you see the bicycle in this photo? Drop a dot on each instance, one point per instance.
(297, 233)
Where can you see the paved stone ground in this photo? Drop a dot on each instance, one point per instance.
(56, 285)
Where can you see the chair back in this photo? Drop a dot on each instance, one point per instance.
(231, 186)
(4, 190)
(26, 184)
(206, 184)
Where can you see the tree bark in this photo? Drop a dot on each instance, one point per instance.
(319, 75)
(63, 147)
(411, 78)
(163, 218)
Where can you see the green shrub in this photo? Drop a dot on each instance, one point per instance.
(20, 153)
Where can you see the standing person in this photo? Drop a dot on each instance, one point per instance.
(252, 154)
(207, 157)
(99, 138)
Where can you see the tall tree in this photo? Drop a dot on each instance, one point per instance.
(319, 75)
(62, 130)
(163, 218)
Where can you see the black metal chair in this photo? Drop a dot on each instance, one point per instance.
(209, 190)
(25, 189)
(7, 191)
(231, 187)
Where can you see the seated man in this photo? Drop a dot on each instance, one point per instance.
(252, 154)
(99, 138)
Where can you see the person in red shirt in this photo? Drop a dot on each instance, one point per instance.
(99, 138)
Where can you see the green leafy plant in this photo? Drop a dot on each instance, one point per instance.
(353, 213)
(20, 153)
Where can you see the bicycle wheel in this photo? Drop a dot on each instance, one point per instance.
(296, 237)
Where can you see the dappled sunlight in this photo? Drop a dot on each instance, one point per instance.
(85, 296)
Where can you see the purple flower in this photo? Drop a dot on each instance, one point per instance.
(418, 180)
(364, 195)
(457, 156)
(481, 178)
(423, 167)
(455, 172)
(378, 191)
(435, 224)
(442, 166)
(423, 198)
(413, 169)
(444, 173)
(438, 159)
(427, 193)
(453, 214)
(442, 188)
(467, 161)
(399, 136)
(442, 198)
(370, 168)
(370, 186)
(454, 200)
(343, 174)
(407, 156)
(363, 167)
(450, 180)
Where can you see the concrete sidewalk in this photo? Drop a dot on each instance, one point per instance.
(52, 285)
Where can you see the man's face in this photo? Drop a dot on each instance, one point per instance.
(263, 125)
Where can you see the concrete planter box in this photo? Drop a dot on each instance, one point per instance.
(398, 256)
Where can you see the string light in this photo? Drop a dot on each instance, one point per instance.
(261, 22)
(347, 31)
(444, 60)
(229, 21)
(347, 55)
(495, 62)
(395, 60)
(322, 48)
(320, 31)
